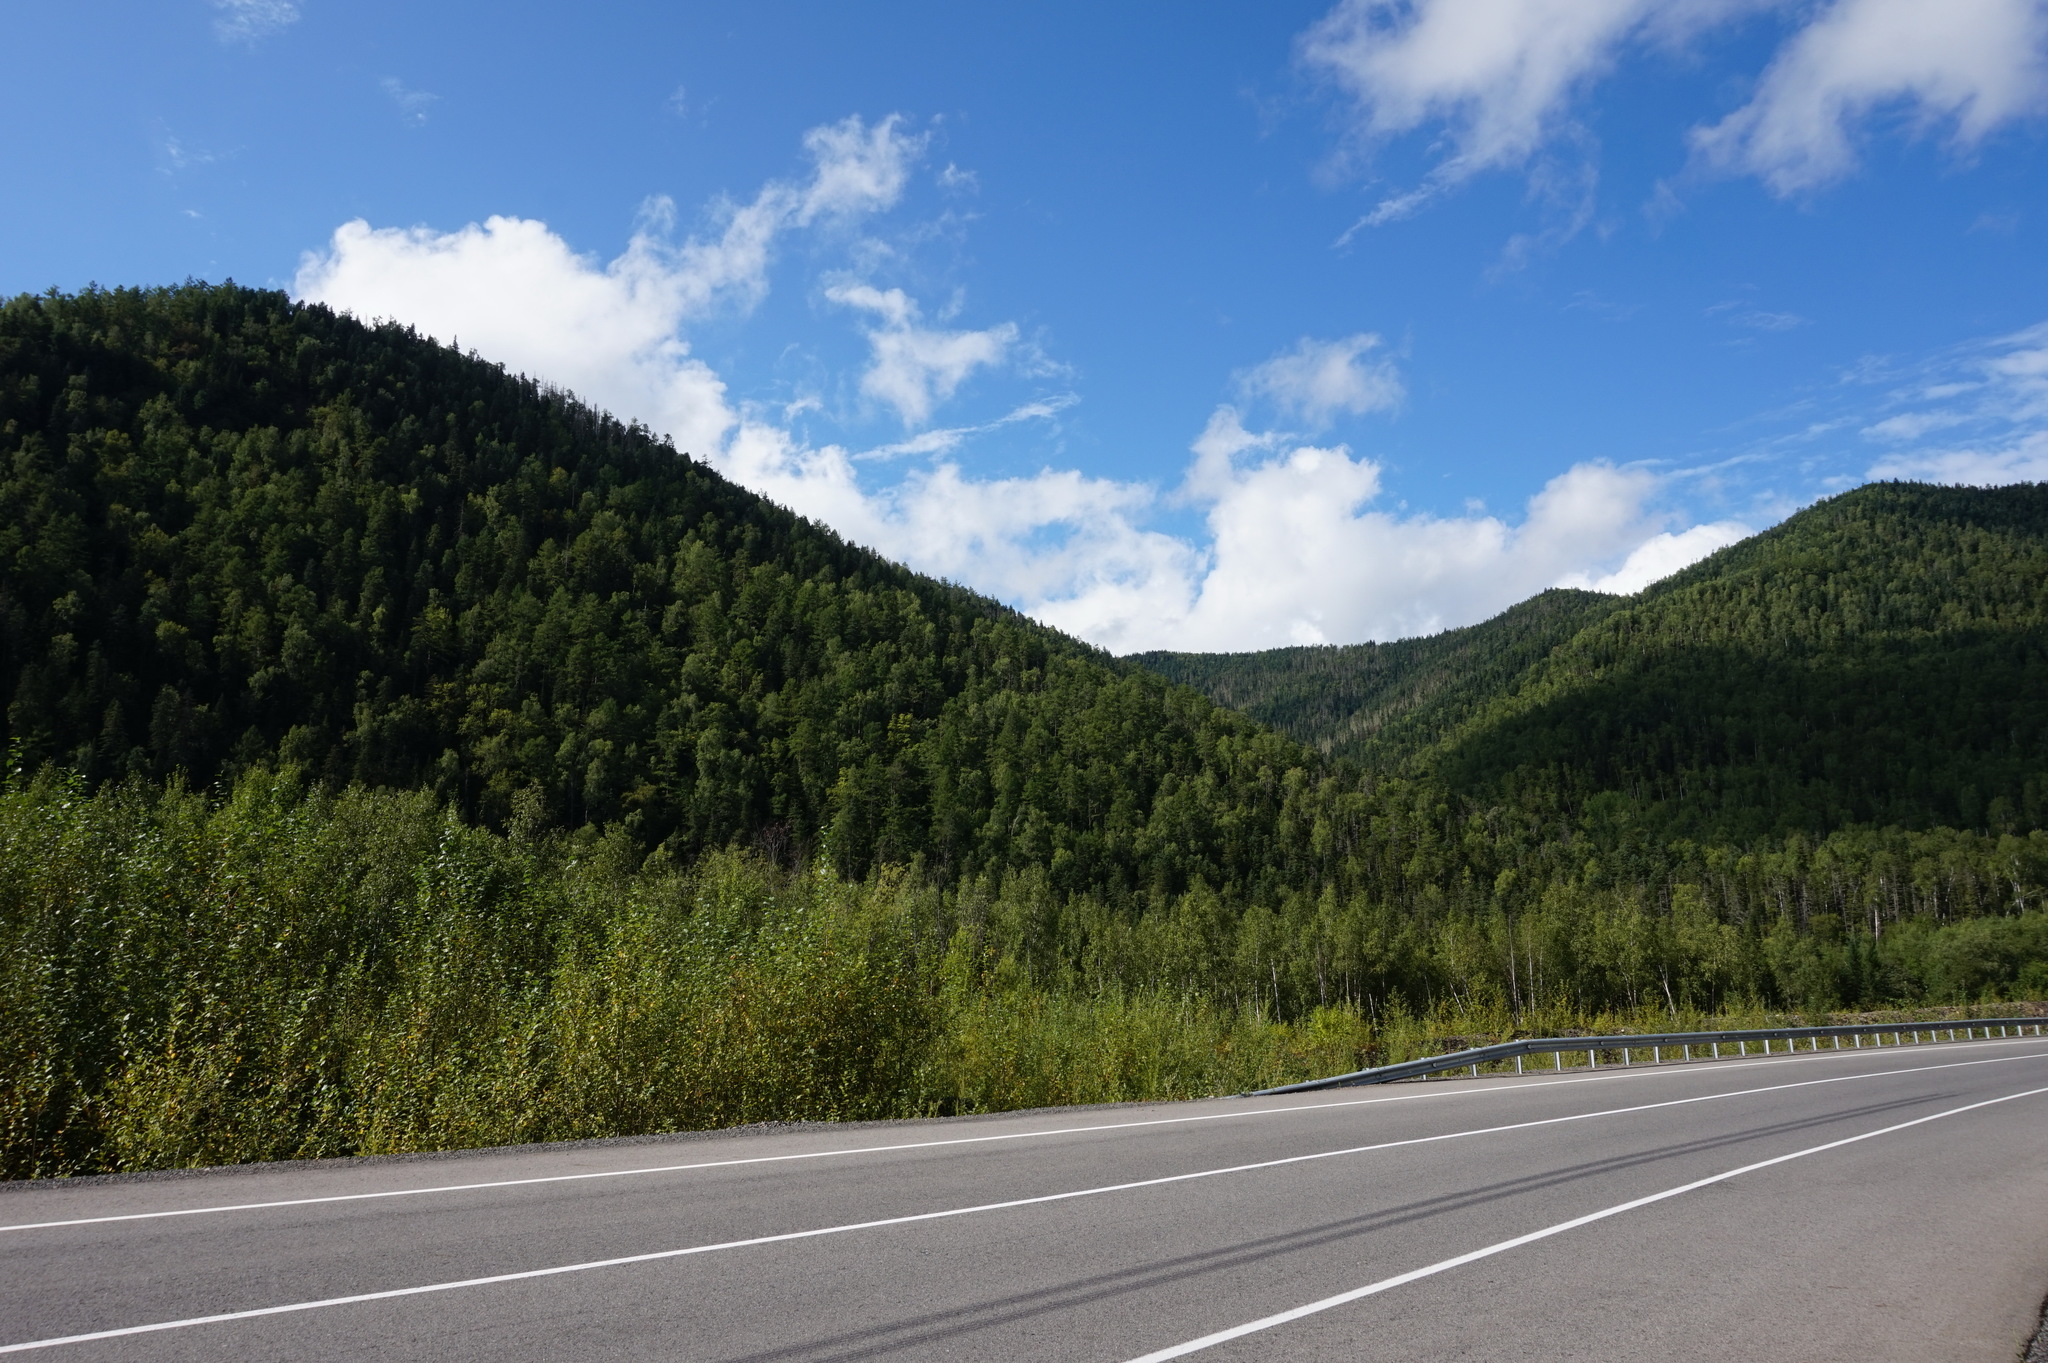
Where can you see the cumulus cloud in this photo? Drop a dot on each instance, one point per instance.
(1317, 380)
(917, 367)
(1499, 80)
(1293, 546)
(515, 291)
(247, 21)
(1298, 553)
(1970, 64)
(1659, 556)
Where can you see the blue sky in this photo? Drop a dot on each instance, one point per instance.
(1195, 327)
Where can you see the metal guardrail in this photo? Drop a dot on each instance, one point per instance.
(1657, 1043)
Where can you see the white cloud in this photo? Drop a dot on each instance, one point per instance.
(1293, 547)
(247, 21)
(411, 103)
(514, 290)
(1659, 556)
(1912, 425)
(945, 440)
(1319, 379)
(1993, 395)
(916, 367)
(1499, 72)
(1499, 76)
(1973, 64)
(1499, 80)
(859, 169)
(2021, 460)
(1298, 554)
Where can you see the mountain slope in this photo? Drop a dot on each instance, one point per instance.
(1879, 658)
(235, 530)
(1375, 704)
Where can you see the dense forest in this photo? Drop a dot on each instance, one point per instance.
(238, 532)
(403, 755)
(1878, 659)
(1376, 705)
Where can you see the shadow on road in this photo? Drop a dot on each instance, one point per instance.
(962, 1320)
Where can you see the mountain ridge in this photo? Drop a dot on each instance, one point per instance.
(244, 531)
(1874, 658)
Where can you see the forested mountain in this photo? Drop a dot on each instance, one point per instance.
(403, 755)
(1378, 704)
(238, 531)
(1879, 658)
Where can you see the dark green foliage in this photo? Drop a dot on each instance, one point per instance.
(1376, 704)
(236, 531)
(1880, 658)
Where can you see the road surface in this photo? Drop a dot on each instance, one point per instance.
(1863, 1205)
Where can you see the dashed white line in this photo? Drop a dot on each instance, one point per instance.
(1532, 1085)
(1210, 1341)
(556, 1270)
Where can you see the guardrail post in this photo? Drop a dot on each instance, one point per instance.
(1717, 1050)
(1558, 1056)
(1593, 1059)
(1896, 1041)
(1518, 1064)
(1624, 1057)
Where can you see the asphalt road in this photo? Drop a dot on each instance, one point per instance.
(1864, 1205)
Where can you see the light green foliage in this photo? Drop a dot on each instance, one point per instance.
(288, 977)
(292, 974)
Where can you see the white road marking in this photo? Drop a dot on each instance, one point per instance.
(1529, 1085)
(951, 1212)
(1445, 1265)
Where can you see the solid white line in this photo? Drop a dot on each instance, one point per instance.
(1442, 1266)
(951, 1212)
(1532, 1084)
